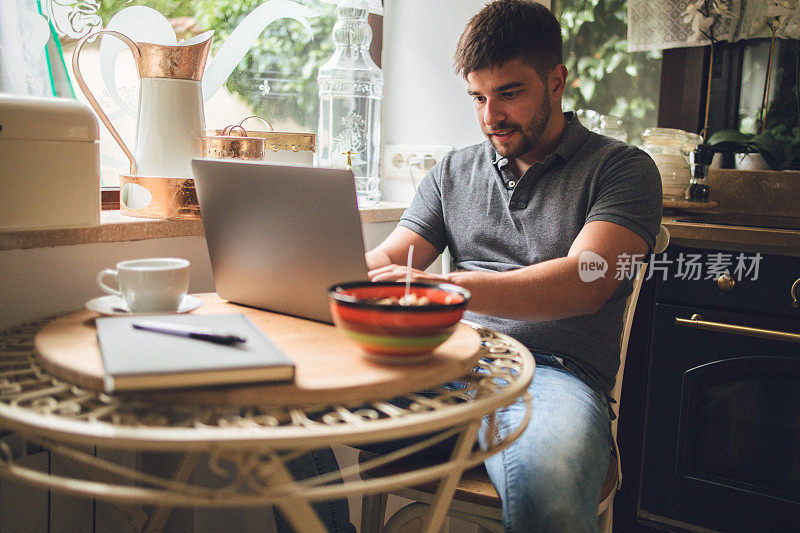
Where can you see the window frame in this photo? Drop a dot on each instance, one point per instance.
(684, 69)
(688, 70)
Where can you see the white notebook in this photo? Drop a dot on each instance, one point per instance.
(136, 359)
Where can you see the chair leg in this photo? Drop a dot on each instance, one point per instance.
(605, 520)
(373, 512)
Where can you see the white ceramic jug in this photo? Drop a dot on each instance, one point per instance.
(170, 123)
(172, 85)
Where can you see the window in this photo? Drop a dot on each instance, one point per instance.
(275, 80)
(780, 95)
(606, 78)
(738, 95)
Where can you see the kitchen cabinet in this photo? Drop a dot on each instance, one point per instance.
(710, 423)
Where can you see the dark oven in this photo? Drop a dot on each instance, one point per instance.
(721, 448)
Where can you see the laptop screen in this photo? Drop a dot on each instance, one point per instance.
(280, 236)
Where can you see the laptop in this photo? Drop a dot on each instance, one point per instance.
(280, 236)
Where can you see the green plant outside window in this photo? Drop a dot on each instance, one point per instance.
(278, 77)
(604, 76)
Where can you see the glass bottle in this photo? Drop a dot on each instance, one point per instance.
(350, 92)
(698, 184)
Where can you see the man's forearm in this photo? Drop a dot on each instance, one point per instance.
(377, 258)
(546, 291)
(394, 250)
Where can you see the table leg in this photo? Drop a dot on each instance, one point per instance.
(444, 494)
(298, 512)
(182, 473)
(134, 514)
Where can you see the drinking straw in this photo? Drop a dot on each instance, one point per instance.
(408, 272)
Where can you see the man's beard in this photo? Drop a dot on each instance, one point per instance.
(531, 133)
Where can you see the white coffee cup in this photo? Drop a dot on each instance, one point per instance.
(154, 285)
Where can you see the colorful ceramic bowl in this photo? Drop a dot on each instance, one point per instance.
(393, 332)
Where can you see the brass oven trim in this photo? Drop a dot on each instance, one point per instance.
(697, 322)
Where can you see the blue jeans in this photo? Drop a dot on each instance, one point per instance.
(550, 478)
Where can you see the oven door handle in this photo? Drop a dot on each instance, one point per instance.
(697, 322)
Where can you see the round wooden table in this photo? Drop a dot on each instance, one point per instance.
(328, 367)
(51, 378)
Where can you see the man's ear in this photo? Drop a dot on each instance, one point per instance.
(557, 80)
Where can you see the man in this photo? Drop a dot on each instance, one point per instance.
(522, 213)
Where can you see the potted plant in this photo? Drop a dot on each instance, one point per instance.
(763, 151)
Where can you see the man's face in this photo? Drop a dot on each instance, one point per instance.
(513, 105)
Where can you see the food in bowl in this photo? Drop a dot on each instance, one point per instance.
(413, 299)
(410, 299)
(385, 324)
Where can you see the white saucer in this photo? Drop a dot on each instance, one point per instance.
(113, 305)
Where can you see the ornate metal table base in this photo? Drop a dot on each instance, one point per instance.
(248, 448)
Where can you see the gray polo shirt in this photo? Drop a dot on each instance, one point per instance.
(472, 204)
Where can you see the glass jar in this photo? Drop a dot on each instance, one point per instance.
(589, 118)
(670, 149)
(350, 91)
(611, 126)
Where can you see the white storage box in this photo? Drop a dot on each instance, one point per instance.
(49, 163)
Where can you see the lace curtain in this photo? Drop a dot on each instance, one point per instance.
(681, 23)
(31, 62)
(24, 33)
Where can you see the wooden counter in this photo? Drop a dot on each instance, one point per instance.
(764, 192)
(739, 238)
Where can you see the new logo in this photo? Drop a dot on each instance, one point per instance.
(591, 266)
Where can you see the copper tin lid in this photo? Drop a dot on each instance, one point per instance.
(285, 140)
(228, 145)
(275, 140)
(280, 140)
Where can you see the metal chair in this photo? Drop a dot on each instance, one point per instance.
(475, 499)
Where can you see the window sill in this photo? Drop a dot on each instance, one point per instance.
(116, 227)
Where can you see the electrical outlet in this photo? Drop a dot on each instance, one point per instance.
(399, 160)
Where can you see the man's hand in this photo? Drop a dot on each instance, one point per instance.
(398, 273)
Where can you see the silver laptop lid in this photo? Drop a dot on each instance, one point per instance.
(279, 236)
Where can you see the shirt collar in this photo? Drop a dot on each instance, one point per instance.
(574, 137)
(497, 160)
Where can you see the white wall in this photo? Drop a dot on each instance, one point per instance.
(38, 282)
(424, 100)
(43, 281)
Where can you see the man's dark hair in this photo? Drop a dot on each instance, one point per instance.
(506, 30)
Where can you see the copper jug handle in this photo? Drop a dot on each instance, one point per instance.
(92, 100)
